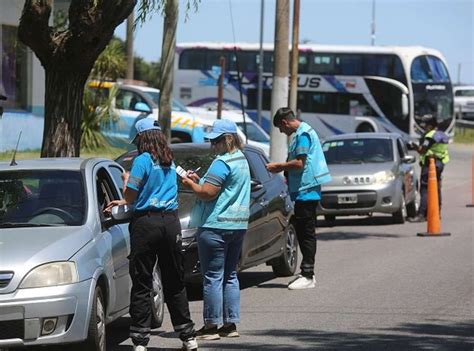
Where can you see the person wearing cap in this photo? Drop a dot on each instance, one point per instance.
(155, 232)
(433, 144)
(221, 214)
(307, 170)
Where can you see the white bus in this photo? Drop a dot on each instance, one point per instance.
(341, 89)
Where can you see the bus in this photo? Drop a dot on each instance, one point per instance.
(341, 89)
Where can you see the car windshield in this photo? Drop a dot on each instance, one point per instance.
(177, 106)
(41, 198)
(464, 92)
(253, 132)
(348, 151)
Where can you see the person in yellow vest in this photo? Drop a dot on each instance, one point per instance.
(434, 143)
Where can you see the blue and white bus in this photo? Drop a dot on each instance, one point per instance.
(341, 89)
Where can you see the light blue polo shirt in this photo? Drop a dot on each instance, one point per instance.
(156, 185)
(217, 173)
(303, 144)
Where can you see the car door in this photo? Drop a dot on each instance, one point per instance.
(406, 171)
(125, 102)
(108, 188)
(260, 239)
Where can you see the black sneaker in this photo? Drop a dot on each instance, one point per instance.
(209, 333)
(228, 331)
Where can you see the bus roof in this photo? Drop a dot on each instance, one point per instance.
(399, 50)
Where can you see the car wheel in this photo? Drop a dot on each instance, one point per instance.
(400, 215)
(412, 207)
(158, 306)
(96, 338)
(285, 265)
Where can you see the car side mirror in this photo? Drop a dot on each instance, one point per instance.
(120, 214)
(142, 107)
(409, 159)
(256, 185)
(404, 105)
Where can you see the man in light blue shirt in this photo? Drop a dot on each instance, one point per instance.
(307, 170)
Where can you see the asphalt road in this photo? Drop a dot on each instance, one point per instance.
(379, 287)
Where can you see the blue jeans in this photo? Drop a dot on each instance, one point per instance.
(219, 253)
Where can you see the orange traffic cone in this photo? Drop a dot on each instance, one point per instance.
(472, 183)
(434, 223)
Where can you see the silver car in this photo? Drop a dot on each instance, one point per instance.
(371, 172)
(63, 264)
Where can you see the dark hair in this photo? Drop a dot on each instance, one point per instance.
(283, 113)
(154, 142)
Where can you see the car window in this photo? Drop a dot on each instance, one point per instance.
(401, 148)
(105, 190)
(257, 166)
(116, 173)
(126, 100)
(41, 198)
(363, 150)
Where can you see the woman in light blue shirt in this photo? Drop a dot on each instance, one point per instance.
(221, 213)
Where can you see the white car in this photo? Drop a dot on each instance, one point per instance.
(464, 102)
(256, 136)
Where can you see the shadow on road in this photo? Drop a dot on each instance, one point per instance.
(425, 336)
(340, 235)
(357, 221)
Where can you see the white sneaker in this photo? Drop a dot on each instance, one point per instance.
(190, 344)
(302, 283)
(139, 348)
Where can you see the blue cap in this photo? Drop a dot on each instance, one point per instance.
(221, 126)
(145, 124)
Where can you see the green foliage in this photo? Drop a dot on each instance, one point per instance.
(146, 8)
(111, 64)
(95, 118)
(147, 71)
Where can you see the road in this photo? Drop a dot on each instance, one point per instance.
(379, 287)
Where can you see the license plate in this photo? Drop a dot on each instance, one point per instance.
(347, 199)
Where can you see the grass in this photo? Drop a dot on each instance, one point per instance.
(110, 152)
(464, 135)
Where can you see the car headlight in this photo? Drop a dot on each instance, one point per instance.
(51, 274)
(383, 177)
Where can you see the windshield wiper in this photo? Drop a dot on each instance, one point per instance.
(23, 225)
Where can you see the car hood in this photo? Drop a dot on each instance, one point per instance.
(22, 249)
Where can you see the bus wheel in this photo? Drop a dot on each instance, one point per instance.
(365, 128)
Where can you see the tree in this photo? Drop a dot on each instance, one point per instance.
(68, 56)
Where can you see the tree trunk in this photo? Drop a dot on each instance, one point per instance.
(62, 131)
(167, 62)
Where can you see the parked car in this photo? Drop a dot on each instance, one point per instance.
(464, 102)
(248, 131)
(270, 238)
(371, 172)
(134, 102)
(63, 264)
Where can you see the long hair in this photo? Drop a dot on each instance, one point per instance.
(231, 141)
(154, 142)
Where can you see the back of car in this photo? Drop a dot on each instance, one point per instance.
(464, 102)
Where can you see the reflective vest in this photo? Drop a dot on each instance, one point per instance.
(315, 171)
(230, 209)
(439, 149)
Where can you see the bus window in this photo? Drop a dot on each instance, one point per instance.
(439, 72)
(334, 103)
(268, 61)
(192, 59)
(420, 70)
(302, 62)
(252, 99)
(247, 61)
(321, 64)
(213, 58)
(349, 64)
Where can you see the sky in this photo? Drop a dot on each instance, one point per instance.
(445, 25)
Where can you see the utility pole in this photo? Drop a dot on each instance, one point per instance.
(168, 50)
(373, 24)
(260, 69)
(130, 20)
(278, 141)
(459, 73)
(294, 57)
(220, 88)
